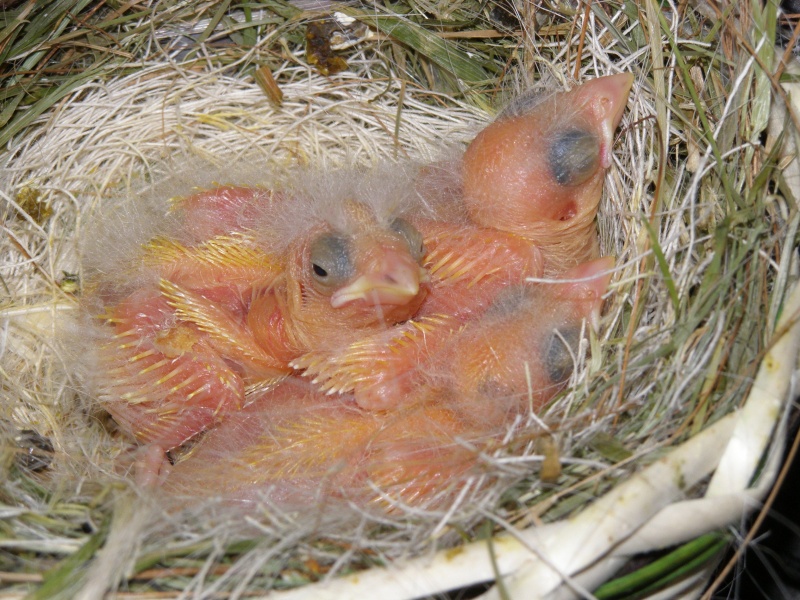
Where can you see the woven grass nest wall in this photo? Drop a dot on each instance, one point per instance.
(673, 425)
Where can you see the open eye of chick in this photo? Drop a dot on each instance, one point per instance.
(331, 263)
(380, 268)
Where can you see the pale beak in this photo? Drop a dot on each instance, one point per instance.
(394, 285)
(608, 95)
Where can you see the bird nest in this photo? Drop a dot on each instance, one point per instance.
(671, 428)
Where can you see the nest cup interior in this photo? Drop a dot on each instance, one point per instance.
(700, 222)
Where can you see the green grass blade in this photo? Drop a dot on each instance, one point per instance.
(223, 7)
(43, 104)
(442, 52)
(9, 109)
(731, 194)
(48, 24)
(66, 575)
(664, 267)
(664, 571)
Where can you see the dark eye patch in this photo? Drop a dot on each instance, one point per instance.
(574, 156)
(558, 362)
(412, 237)
(331, 263)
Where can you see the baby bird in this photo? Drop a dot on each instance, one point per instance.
(467, 267)
(291, 443)
(213, 320)
(538, 170)
(339, 283)
(523, 349)
(298, 446)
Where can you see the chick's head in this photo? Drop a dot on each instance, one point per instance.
(538, 169)
(524, 349)
(361, 269)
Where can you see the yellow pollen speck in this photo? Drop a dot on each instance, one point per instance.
(453, 553)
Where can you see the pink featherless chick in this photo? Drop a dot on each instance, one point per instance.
(524, 348)
(538, 170)
(205, 317)
(164, 378)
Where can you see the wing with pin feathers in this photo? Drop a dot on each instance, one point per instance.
(162, 380)
(379, 370)
(167, 373)
(298, 447)
(232, 260)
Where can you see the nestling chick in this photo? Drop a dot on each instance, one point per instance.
(538, 170)
(165, 379)
(522, 351)
(214, 317)
(294, 443)
(340, 283)
(468, 267)
(299, 448)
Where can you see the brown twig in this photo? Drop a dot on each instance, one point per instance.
(581, 39)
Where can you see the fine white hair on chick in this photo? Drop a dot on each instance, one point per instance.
(527, 101)
(315, 197)
(304, 198)
(113, 245)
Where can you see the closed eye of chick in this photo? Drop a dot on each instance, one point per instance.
(538, 170)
